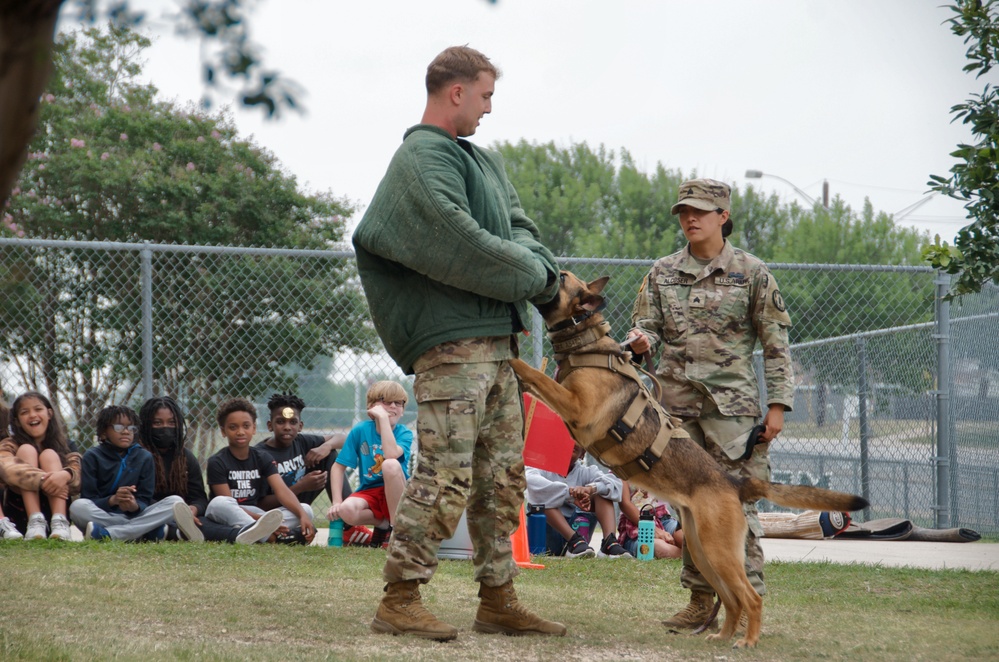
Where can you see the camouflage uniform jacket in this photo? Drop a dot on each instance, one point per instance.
(708, 320)
(445, 251)
(23, 476)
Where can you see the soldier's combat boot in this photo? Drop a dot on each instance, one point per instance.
(694, 614)
(501, 613)
(401, 611)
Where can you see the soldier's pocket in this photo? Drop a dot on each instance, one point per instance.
(449, 412)
(732, 305)
(674, 322)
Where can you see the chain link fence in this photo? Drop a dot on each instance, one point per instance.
(896, 396)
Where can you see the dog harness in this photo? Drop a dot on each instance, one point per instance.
(643, 399)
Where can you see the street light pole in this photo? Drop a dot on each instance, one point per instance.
(757, 174)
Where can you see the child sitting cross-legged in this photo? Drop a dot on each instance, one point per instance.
(237, 475)
(116, 495)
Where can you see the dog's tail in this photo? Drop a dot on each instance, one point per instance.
(800, 496)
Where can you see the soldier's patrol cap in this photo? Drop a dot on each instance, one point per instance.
(706, 194)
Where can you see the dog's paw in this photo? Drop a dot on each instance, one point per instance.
(744, 643)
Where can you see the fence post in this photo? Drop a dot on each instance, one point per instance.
(941, 461)
(146, 258)
(537, 337)
(865, 430)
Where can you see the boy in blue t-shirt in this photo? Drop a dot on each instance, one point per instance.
(379, 450)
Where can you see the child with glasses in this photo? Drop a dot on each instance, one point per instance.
(40, 468)
(379, 449)
(119, 476)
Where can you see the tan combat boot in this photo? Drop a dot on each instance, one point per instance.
(401, 611)
(501, 612)
(694, 614)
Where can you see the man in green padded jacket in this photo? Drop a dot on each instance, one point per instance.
(449, 263)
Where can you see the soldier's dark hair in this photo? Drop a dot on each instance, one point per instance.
(55, 437)
(282, 400)
(107, 417)
(176, 482)
(457, 63)
(233, 405)
(727, 227)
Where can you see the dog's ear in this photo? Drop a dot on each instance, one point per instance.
(590, 299)
(597, 286)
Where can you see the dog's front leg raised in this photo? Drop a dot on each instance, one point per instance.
(563, 401)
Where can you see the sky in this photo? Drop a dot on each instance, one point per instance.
(855, 92)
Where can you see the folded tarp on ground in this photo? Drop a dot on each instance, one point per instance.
(813, 525)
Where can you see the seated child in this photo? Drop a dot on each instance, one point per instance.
(303, 460)
(582, 490)
(379, 450)
(237, 476)
(39, 467)
(116, 496)
(162, 432)
(669, 537)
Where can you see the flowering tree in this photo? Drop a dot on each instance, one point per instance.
(110, 162)
(974, 178)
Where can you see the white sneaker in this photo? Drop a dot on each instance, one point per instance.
(60, 528)
(184, 518)
(262, 529)
(37, 529)
(8, 531)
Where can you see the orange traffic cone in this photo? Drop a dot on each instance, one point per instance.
(521, 548)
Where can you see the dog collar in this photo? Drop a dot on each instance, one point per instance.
(572, 321)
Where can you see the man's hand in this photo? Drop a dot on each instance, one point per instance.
(641, 344)
(774, 420)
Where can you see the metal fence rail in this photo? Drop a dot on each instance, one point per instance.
(897, 393)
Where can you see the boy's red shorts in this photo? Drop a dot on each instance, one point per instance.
(375, 498)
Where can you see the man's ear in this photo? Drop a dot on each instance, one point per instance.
(455, 92)
(270, 428)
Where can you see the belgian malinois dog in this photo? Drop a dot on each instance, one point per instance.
(611, 414)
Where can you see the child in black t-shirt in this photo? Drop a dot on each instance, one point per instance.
(237, 476)
(303, 460)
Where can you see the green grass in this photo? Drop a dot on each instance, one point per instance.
(98, 601)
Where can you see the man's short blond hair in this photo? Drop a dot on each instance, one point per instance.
(386, 390)
(457, 63)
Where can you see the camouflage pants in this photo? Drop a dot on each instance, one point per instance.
(758, 466)
(470, 427)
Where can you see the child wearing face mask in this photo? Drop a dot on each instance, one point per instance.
(163, 433)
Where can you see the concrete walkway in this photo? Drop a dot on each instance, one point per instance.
(896, 553)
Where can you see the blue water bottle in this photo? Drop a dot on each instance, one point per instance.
(335, 538)
(647, 533)
(537, 529)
